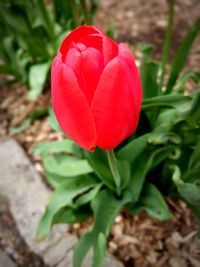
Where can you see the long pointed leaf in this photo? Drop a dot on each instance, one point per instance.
(142, 165)
(179, 102)
(37, 78)
(132, 150)
(61, 197)
(105, 206)
(99, 162)
(153, 203)
(66, 166)
(181, 55)
(66, 146)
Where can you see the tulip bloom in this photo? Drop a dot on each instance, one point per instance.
(96, 89)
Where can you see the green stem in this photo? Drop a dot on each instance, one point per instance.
(167, 42)
(75, 12)
(114, 170)
(85, 11)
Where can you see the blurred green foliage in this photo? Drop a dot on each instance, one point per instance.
(31, 32)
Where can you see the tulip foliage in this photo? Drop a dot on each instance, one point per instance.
(161, 158)
(31, 32)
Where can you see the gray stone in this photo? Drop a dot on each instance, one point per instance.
(59, 251)
(67, 261)
(110, 261)
(5, 261)
(28, 196)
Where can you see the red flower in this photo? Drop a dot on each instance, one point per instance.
(96, 89)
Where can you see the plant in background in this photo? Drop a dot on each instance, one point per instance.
(31, 31)
(160, 159)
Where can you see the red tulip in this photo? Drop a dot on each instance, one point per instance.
(96, 89)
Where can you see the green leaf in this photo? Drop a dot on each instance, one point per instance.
(167, 43)
(181, 55)
(111, 29)
(81, 249)
(124, 169)
(99, 162)
(12, 58)
(167, 118)
(10, 18)
(47, 19)
(33, 42)
(132, 150)
(194, 75)
(149, 72)
(162, 154)
(70, 215)
(66, 146)
(38, 113)
(99, 251)
(192, 176)
(146, 49)
(37, 78)
(160, 136)
(6, 69)
(25, 125)
(188, 191)
(194, 162)
(53, 122)
(62, 197)
(189, 136)
(152, 201)
(141, 167)
(180, 102)
(66, 166)
(193, 116)
(62, 11)
(105, 207)
(87, 197)
(55, 180)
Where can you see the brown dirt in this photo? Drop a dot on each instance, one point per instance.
(142, 241)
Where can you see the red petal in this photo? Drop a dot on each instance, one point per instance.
(126, 56)
(113, 107)
(110, 49)
(72, 57)
(88, 67)
(103, 43)
(93, 40)
(75, 36)
(70, 105)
